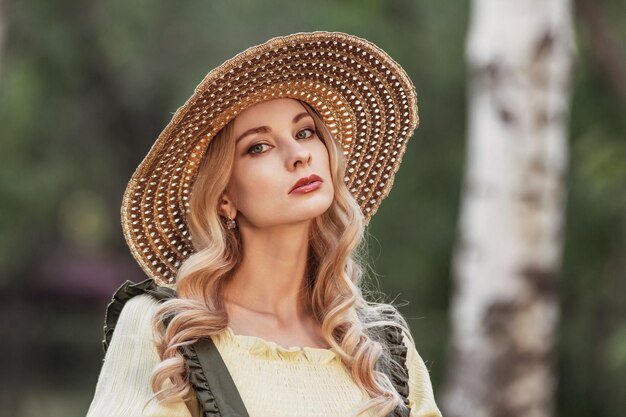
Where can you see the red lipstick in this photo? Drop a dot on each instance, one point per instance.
(307, 184)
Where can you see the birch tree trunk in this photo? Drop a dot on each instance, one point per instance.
(504, 310)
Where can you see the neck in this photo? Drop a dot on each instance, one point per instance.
(271, 277)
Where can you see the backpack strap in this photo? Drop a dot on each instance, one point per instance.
(399, 375)
(203, 378)
(214, 386)
(124, 293)
(208, 373)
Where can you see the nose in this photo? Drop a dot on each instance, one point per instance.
(298, 154)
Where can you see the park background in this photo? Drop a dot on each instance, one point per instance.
(86, 87)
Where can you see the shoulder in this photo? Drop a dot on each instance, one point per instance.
(373, 312)
(132, 307)
(421, 394)
(385, 324)
(403, 348)
(140, 306)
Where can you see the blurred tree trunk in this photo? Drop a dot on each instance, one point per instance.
(504, 310)
(606, 50)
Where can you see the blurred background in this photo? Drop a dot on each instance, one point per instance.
(86, 87)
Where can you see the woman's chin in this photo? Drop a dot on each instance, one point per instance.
(311, 212)
(315, 207)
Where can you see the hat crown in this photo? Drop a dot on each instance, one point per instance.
(364, 97)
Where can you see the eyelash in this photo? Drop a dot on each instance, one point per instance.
(261, 143)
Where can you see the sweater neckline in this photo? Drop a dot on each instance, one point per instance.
(268, 349)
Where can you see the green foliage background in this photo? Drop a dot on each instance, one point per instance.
(86, 87)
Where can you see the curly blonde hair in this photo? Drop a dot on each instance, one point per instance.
(333, 287)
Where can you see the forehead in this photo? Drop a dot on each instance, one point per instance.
(266, 112)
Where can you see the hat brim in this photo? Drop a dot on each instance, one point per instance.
(364, 97)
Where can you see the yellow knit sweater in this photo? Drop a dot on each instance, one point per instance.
(273, 381)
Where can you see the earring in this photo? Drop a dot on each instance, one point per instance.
(230, 223)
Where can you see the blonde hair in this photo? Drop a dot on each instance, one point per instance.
(334, 275)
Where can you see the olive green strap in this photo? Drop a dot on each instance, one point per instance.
(122, 295)
(220, 381)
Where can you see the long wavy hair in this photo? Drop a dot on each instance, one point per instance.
(333, 282)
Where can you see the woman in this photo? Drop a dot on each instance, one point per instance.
(252, 205)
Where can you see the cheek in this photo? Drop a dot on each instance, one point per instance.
(254, 182)
(322, 166)
(322, 157)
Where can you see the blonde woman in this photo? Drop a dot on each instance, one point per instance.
(248, 215)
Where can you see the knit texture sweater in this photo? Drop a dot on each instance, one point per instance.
(273, 380)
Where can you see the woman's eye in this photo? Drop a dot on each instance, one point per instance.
(299, 135)
(256, 146)
(303, 130)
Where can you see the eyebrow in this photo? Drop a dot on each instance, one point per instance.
(265, 129)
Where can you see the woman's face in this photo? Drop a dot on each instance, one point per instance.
(277, 145)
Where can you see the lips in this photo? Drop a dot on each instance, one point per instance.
(306, 180)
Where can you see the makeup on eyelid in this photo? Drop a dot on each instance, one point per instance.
(312, 129)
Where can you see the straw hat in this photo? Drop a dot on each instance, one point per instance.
(365, 98)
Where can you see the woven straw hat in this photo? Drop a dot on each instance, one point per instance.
(365, 98)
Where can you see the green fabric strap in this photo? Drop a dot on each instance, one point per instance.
(220, 381)
(214, 387)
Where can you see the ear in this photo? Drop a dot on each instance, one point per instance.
(227, 207)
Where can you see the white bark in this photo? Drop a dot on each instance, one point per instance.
(504, 310)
